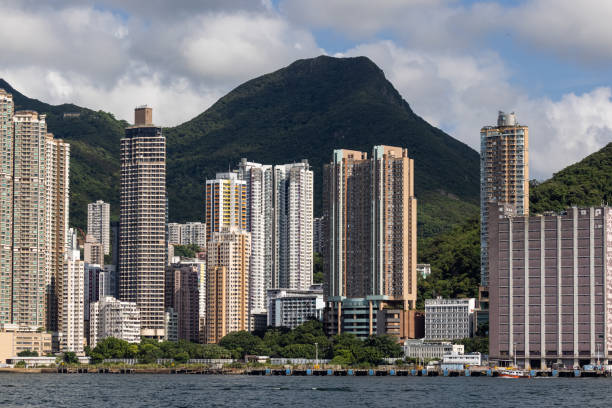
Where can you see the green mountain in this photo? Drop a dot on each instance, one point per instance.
(586, 183)
(302, 111)
(305, 111)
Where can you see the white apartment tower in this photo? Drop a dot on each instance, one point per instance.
(71, 308)
(280, 219)
(293, 226)
(98, 223)
(259, 217)
(33, 217)
(142, 239)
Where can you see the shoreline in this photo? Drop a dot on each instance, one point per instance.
(289, 372)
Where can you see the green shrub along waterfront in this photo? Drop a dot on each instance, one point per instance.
(344, 349)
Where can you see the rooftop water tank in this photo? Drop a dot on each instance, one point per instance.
(506, 119)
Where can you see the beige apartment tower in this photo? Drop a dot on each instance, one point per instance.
(93, 252)
(34, 176)
(370, 225)
(142, 237)
(504, 174)
(227, 283)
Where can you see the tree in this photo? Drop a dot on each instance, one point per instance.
(187, 251)
(241, 343)
(111, 347)
(317, 270)
(28, 353)
(181, 357)
(70, 358)
(386, 345)
(214, 351)
(475, 344)
(148, 353)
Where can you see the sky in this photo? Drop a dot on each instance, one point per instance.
(456, 62)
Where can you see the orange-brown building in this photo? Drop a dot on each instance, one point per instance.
(227, 283)
(370, 232)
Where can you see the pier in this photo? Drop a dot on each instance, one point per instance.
(319, 372)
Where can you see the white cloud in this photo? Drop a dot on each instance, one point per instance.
(565, 131)
(180, 57)
(575, 30)
(461, 93)
(102, 60)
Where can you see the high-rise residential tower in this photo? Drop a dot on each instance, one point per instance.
(182, 294)
(504, 174)
(142, 236)
(6, 207)
(279, 218)
(226, 203)
(227, 283)
(33, 217)
(259, 210)
(71, 302)
(370, 225)
(98, 223)
(293, 219)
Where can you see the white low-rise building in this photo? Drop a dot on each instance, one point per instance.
(426, 350)
(110, 317)
(471, 359)
(290, 307)
(449, 319)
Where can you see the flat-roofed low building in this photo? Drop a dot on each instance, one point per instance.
(13, 340)
(426, 350)
(449, 319)
(292, 307)
(469, 359)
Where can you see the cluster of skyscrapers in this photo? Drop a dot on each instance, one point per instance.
(34, 180)
(255, 261)
(545, 280)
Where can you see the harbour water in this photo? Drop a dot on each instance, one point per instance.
(142, 390)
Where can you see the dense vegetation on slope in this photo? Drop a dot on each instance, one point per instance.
(586, 183)
(455, 263)
(94, 150)
(302, 111)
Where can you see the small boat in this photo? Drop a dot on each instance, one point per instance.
(513, 374)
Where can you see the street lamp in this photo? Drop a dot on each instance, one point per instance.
(316, 355)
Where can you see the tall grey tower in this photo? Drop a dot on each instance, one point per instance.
(142, 236)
